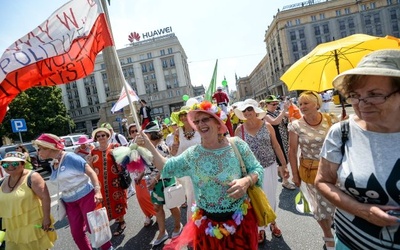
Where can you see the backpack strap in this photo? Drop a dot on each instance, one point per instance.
(29, 180)
(344, 127)
(117, 138)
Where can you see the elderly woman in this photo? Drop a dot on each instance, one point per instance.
(156, 185)
(222, 218)
(309, 132)
(78, 184)
(25, 206)
(85, 146)
(363, 179)
(261, 138)
(107, 170)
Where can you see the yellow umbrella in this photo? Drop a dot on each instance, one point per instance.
(316, 70)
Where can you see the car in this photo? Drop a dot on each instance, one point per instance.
(36, 162)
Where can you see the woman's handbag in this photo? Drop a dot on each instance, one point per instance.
(259, 201)
(174, 195)
(99, 225)
(125, 179)
(308, 170)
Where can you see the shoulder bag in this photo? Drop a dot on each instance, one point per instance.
(259, 201)
(174, 195)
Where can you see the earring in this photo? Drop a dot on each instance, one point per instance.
(220, 138)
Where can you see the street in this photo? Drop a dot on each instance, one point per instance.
(299, 231)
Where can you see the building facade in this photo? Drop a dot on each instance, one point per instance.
(299, 27)
(156, 69)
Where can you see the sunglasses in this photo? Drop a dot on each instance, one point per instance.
(6, 165)
(248, 109)
(203, 120)
(132, 131)
(102, 135)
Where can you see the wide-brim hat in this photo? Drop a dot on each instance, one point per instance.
(271, 98)
(49, 141)
(83, 140)
(249, 103)
(105, 130)
(13, 156)
(175, 115)
(378, 63)
(209, 108)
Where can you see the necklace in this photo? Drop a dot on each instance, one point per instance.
(12, 187)
(189, 135)
(320, 115)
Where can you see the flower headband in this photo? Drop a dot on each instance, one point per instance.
(209, 107)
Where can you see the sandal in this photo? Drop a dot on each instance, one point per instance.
(328, 240)
(120, 229)
(276, 232)
(261, 236)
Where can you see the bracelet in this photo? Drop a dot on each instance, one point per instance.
(251, 180)
(97, 188)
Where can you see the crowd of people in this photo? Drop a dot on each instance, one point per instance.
(347, 170)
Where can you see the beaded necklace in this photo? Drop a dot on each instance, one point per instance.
(188, 135)
(8, 182)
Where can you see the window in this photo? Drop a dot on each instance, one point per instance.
(313, 18)
(342, 26)
(338, 13)
(292, 35)
(343, 34)
(129, 60)
(169, 50)
(103, 66)
(395, 27)
(326, 28)
(327, 38)
(367, 20)
(294, 47)
(322, 16)
(298, 21)
(393, 15)
(289, 23)
(363, 7)
(372, 5)
(369, 30)
(149, 55)
(319, 40)
(301, 34)
(141, 57)
(317, 31)
(296, 56)
(377, 18)
(389, 2)
(164, 64)
(351, 23)
(144, 68)
(151, 66)
(379, 30)
(172, 62)
(162, 52)
(104, 75)
(303, 45)
(347, 11)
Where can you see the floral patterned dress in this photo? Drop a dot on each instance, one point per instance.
(114, 197)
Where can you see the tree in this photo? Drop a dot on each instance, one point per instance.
(43, 110)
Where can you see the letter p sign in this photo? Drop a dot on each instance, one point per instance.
(18, 125)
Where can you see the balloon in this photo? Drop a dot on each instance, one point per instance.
(166, 120)
(191, 101)
(224, 83)
(185, 97)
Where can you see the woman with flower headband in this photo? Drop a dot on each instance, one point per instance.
(78, 184)
(25, 206)
(184, 137)
(222, 216)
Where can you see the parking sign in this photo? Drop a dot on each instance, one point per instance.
(18, 125)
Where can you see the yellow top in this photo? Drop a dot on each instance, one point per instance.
(21, 210)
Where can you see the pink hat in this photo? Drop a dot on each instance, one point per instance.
(83, 140)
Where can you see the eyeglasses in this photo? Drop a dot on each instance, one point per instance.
(8, 164)
(102, 135)
(203, 120)
(375, 100)
(132, 131)
(249, 109)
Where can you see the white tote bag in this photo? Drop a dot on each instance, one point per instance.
(61, 211)
(99, 227)
(174, 195)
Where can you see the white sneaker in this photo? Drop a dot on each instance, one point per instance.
(159, 241)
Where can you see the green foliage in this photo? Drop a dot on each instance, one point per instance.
(43, 110)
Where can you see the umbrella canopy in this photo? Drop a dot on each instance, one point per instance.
(317, 69)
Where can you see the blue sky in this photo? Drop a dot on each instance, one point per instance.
(229, 30)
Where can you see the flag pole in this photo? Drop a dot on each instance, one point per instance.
(120, 73)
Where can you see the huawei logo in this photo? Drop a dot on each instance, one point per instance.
(133, 36)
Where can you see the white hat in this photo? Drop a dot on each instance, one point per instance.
(14, 156)
(219, 88)
(249, 103)
(378, 63)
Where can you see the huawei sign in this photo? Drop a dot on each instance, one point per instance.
(133, 36)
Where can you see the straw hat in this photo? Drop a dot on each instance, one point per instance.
(105, 130)
(209, 108)
(49, 141)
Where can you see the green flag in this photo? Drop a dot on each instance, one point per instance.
(213, 84)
